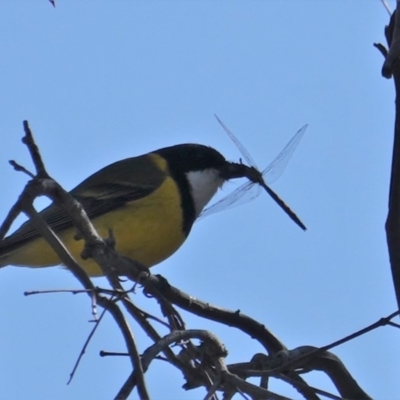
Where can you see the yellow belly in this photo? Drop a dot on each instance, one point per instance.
(148, 230)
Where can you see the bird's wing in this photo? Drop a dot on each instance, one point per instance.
(106, 190)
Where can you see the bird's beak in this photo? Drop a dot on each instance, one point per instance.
(238, 170)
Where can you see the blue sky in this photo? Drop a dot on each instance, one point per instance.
(102, 81)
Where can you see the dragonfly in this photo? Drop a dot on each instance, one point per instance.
(258, 179)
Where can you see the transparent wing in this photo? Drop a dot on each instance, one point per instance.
(275, 169)
(249, 191)
(246, 155)
(241, 195)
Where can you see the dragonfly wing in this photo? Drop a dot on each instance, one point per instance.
(241, 195)
(246, 155)
(249, 191)
(275, 169)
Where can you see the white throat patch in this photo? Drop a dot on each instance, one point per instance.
(204, 185)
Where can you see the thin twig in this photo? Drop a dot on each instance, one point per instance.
(177, 336)
(316, 390)
(29, 141)
(19, 168)
(187, 369)
(52, 291)
(387, 7)
(82, 352)
(298, 361)
(245, 387)
(211, 393)
(383, 50)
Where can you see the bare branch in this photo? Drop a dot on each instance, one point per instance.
(307, 387)
(42, 184)
(203, 309)
(28, 140)
(85, 346)
(340, 376)
(20, 168)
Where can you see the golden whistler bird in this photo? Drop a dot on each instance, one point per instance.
(150, 203)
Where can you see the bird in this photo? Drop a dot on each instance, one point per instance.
(149, 202)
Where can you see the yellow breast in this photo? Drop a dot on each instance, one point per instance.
(148, 230)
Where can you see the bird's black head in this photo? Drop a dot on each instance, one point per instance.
(192, 157)
(197, 171)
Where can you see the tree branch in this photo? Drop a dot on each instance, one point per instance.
(392, 67)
